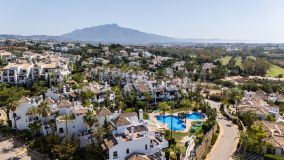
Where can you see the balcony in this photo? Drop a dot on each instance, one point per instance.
(18, 118)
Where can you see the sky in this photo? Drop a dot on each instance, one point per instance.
(248, 20)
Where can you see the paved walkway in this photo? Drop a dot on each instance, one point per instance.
(10, 150)
(227, 140)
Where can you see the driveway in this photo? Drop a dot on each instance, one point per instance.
(227, 140)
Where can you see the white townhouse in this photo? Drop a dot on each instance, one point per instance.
(70, 117)
(101, 92)
(159, 91)
(52, 69)
(22, 118)
(131, 136)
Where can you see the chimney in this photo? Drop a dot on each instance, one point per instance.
(33, 100)
(132, 133)
(140, 114)
(64, 89)
(91, 107)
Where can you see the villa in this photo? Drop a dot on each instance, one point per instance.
(253, 102)
(6, 56)
(275, 137)
(131, 137)
(207, 67)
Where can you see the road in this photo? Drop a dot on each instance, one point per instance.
(227, 140)
(8, 151)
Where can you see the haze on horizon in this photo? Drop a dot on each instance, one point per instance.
(253, 20)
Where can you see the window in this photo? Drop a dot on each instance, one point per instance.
(127, 151)
(270, 151)
(61, 130)
(115, 154)
(146, 147)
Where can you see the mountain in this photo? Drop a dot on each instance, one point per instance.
(33, 37)
(112, 33)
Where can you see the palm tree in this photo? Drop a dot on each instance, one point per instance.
(12, 105)
(99, 132)
(44, 111)
(148, 99)
(33, 111)
(90, 119)
(66, 118)
(185, 104)
(164, 106)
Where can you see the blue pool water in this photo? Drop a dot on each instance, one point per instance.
(178, 124)
(195, 116)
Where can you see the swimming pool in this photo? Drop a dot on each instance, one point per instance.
(195, 116)
(178, 124)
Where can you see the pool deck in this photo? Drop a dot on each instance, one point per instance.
(161, 126)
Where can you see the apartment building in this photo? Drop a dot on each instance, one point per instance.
(51, 69)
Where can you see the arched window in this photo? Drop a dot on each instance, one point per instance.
(127, 151)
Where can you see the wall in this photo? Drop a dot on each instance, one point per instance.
(202, 150)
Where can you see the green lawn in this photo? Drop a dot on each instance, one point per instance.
(178, 136)
(274, 71)
(239, 61)
(225, 60)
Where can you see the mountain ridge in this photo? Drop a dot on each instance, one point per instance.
(113, 33)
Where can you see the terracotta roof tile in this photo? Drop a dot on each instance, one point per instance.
(49, 101)
(24, 100)
(129, 114)
(104, 112)
(120, 121)
(136, 156)
(110, 142)
(64, 103)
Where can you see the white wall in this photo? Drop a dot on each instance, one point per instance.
(135, 146)
(21, 111)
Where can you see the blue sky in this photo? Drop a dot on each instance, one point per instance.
(252, 20)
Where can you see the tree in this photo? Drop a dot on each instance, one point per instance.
(90, 119)
(44, 111)
(66, 118)
(35, 126)
(257, 67)
(186, 104)
(119, 99)
(64, 151)
(38, 88)
(252, 139)
(148, 98)
(249, 118)
(164, 106)
(86, 96)
(94, 152)
(270, 118)
(106, 126)
(12, 105)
